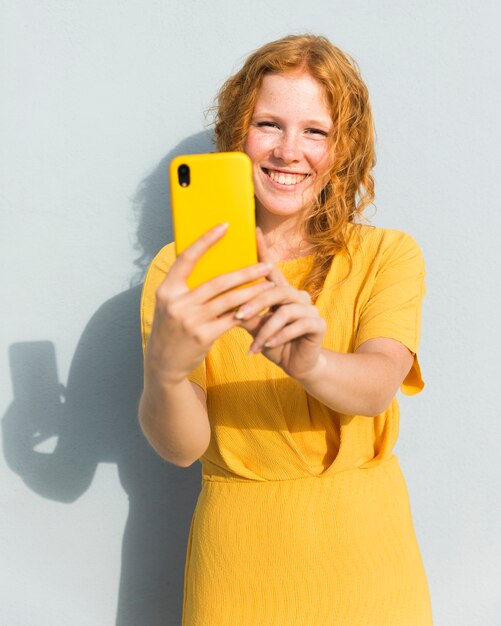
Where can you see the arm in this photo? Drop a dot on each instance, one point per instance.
(183, 436)
(180, 325)
(291, 335)
(362, 383)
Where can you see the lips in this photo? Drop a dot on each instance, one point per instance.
(285, 178)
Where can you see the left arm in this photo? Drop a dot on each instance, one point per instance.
(359, 383)
(291, 334)
(362, 383)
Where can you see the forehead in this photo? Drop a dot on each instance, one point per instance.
(295, 89)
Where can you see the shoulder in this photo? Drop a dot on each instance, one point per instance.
(159, 266)
(374, 243)
(379, 237)
(163, 259)
(156, 272)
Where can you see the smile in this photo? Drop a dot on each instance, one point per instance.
(285, 178)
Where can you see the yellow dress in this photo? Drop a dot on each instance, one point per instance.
(303, 518)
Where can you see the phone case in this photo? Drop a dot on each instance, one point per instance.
(220, 189)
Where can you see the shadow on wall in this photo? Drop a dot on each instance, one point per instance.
(95, 420)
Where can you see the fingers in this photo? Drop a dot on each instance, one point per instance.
(231, 300)
(270, 298)
(209, 332)
(300, 328)
(289, 322)
(174, 284)
(186, 261)
(225, 282)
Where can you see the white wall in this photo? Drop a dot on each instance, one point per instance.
(96, 99)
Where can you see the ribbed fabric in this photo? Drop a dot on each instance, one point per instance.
(303, 518)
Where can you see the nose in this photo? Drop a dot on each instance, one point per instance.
(288, 148)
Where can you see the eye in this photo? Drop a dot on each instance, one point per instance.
(267, 124)
(317, 131)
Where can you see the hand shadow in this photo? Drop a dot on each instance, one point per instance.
(95, 420)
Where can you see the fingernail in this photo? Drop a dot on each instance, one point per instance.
(241, 313)
(221, 227)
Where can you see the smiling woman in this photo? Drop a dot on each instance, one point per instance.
(329, 79)
(303, 516)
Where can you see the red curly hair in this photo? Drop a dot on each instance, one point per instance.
(350, 188)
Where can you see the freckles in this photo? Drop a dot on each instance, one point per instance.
(322, 159)
(263, 141)
(320, 151)
(257, 144)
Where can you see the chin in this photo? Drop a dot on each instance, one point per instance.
(279, 209)
(283, 204)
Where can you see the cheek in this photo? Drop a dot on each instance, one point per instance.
(320, 156)
(257, 145)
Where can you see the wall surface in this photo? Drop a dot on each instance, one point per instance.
(97, 97)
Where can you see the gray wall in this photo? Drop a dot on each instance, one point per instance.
(96, 98)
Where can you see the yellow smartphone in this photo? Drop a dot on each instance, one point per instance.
(206, 190)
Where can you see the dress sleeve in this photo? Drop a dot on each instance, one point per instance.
(393, 308)
(154, 276)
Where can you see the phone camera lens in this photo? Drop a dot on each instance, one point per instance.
(183, 174)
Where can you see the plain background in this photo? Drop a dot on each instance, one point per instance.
(96, 98)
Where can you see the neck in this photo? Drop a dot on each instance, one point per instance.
(285, 240)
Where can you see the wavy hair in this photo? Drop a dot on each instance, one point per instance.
(350, 186)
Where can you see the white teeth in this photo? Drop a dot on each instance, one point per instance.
(286, 179)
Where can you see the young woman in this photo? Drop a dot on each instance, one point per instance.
(303, 516)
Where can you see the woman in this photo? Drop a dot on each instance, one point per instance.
(303, 516)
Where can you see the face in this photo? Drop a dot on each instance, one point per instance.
(288, 144)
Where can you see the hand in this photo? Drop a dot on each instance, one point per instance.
(290, 334)
(187, 322)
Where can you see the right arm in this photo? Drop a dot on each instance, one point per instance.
(174, 420)
(173, 410)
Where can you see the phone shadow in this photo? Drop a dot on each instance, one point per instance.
(94, 420)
